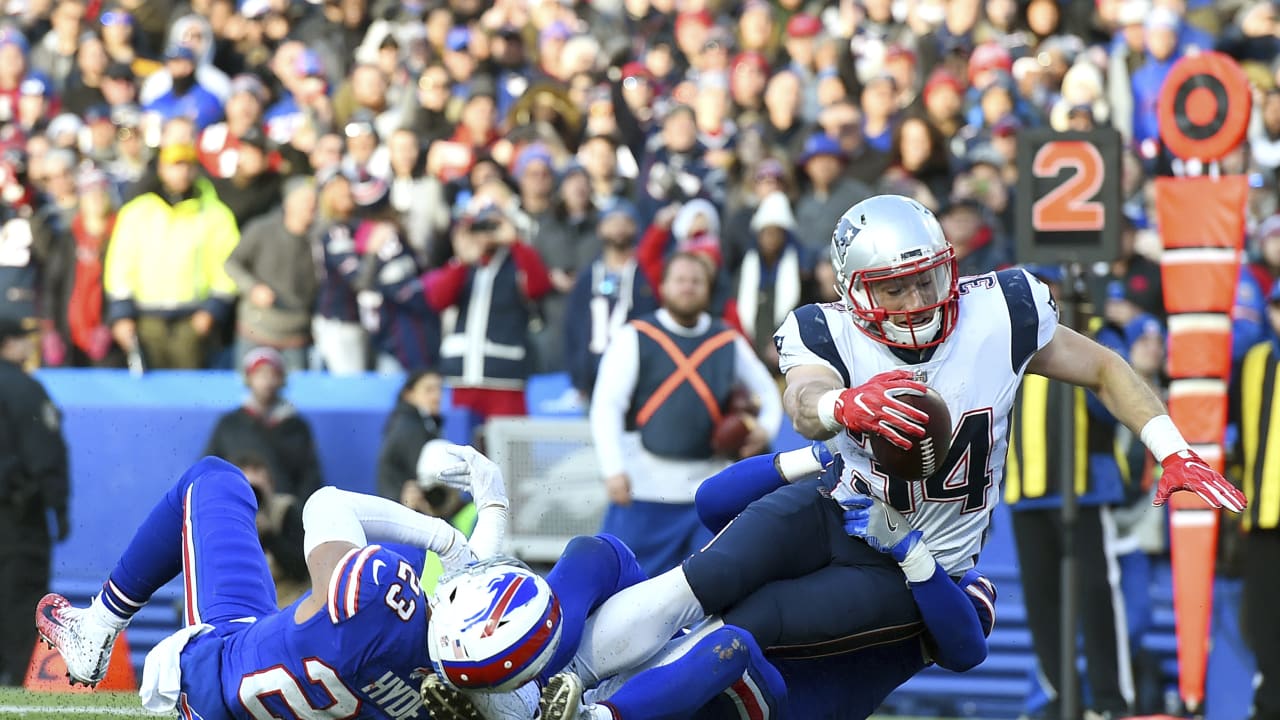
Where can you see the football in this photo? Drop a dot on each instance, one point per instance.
(731, 434)
(927, 453)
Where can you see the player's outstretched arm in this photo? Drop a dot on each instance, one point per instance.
(1073, 358)
(806, 385)
(335, 521)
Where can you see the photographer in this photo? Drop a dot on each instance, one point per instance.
(494, 280)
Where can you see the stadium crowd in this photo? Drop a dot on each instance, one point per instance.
(490, 190)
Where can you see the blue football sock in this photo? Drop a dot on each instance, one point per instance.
(726, 661)
(722, 496)
(154, 555)
(590, 571)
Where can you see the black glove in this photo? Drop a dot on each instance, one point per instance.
(64, 524)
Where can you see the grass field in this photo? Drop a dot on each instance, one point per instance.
(23, 705)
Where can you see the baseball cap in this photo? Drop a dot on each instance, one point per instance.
(555, 31)
(126, 116)
(33, 85)
(253, 9)
(769, 169)
(820, 144)
(119, 71)
(260, 356)
(537, 152)
(1141, 326)
(178, 153)
(751, 58)
(116, 17)
(246, 83)
(90, 179)
(97, 113)
(802, 25)
(180, 52)
(309, 65)
(1115, 290)
(941, 78)
(458, 39)
(12, 36)
(636, 69)
(361, 123)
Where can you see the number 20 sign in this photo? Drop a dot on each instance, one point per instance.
(1068, 196)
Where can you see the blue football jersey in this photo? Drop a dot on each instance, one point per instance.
(363, 656)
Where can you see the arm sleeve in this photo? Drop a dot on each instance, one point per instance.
(40, 442)
(120, 268)
(338, 515)
(952, 620)
(649, 254)
(442, 286)
(722, 496)
(756, 378)
(240, 259)
(615, 382)
(535, 280)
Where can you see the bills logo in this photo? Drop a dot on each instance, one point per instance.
(507, 592)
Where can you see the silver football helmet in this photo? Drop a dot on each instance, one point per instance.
(896, 271)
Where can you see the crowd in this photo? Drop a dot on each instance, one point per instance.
(491, 190)
(472, 188)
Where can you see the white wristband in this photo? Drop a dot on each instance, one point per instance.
(919, 564)
(827, 410)
(1162, 437)
(796, 464)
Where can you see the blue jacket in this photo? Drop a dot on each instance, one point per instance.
(1146, 83)
(198, 104)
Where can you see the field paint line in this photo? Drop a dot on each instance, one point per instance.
(6, 710)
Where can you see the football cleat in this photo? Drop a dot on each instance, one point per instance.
(561, 697)
(83, 641)
(445, 702)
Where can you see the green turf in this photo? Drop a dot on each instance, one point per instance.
(22, 705)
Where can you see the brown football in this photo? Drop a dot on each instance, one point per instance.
(731, 434)
(928, 453)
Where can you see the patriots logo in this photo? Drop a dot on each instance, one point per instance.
(777, 343)
(506, 592)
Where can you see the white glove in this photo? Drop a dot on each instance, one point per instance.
(475, 473)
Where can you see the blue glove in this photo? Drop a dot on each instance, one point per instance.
(822, 453)
(882, 527)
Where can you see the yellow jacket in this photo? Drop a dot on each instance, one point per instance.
(170, 259)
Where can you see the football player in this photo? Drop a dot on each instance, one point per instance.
(717, 671)
(355, 646)
(905, 320)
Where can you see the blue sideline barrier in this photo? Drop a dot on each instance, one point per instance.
(130, 438)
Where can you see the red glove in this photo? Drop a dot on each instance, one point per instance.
(1186, 471)
(873, 407)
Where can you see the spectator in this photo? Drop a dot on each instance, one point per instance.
(675, 171)
(768, 176)
(770, 281)
(185, 96)
(651, 493)
(33, 485)
(270, 427)
(131, 160)
(366, 156)
(417, 198)
(280, 529)
(968, 227)
(54, 56)
(166, 300)
(534, 171)
(1253, 398)
(879, 111)
(567, 243)
(273, 271)
(122, 43)
(193, 33)
(828, 194)
(600, 156)
(919, 151)
(220, 143)
(605, 296)
(84, 83)
(784, 126)
(414, 421)
(118, 86)
(253, 189)
(1162, 51)
(74, 299)
(748, 77)
(430, 118)
(492, 280)
(340, 340)
(1264, 133)
(13, 69)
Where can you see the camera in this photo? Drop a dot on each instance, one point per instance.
(484, 226)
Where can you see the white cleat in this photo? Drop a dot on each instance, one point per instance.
(561, 697)
(83, 641)
(445, 702)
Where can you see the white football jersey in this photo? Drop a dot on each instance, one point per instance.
(1004, 318)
